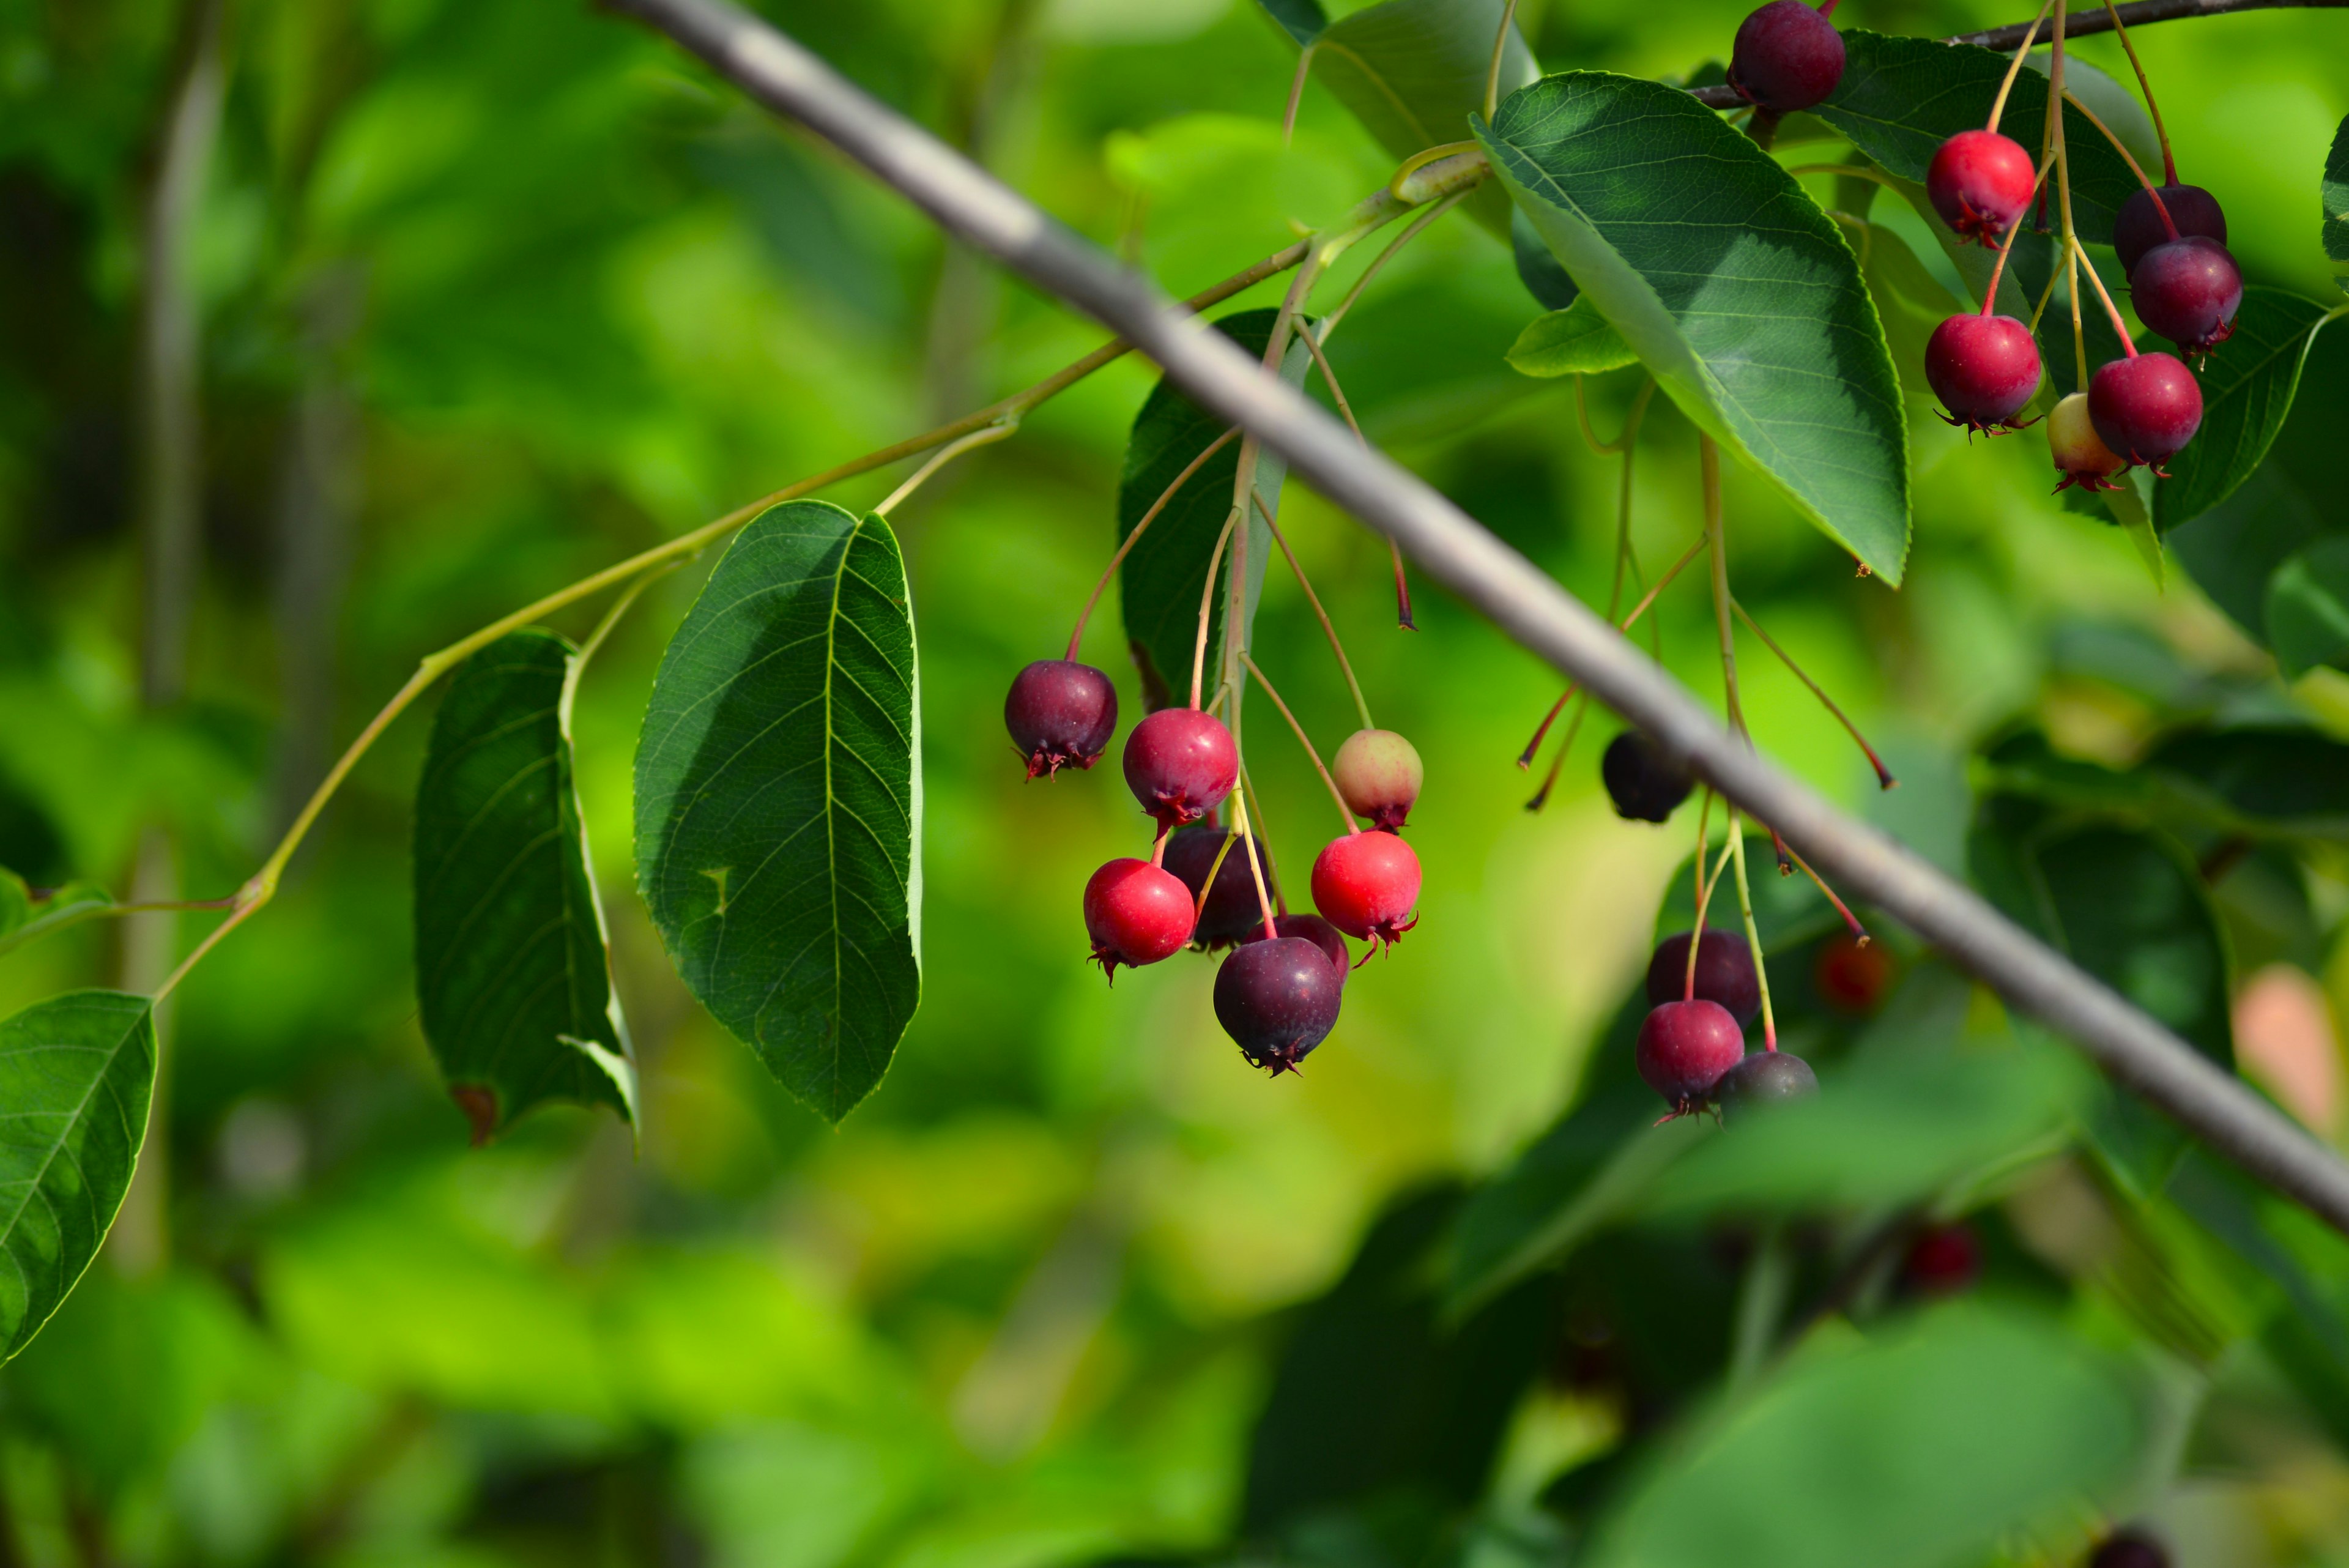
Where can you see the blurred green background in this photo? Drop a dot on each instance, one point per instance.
(489, 295)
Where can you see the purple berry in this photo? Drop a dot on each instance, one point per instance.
(1061, 714)
(2145, 408)
(2138, 227)
(2187, 290)
(1645, 785)
(1278, 1000)
(1763, 1080)
(1232, 910)
(1984, 369)
(1787, 57)
(1724, 973)
(1180, 763)
(1312, 929)
(1685, 1047)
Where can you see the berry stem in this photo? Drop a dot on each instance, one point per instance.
(2111, 310)
(1628, 446)
(1148, 517)
(1255, 870)
(1500, 47)
(2160, 206)
(2161, 131)
(2015, 69)
(1394, 549)
(1263, 833)
(1998, 268)
(1297, 92)
(1206, 600)
(1410, 232)
(1158, 848)
(1631, 420)
(1884, 778)
(1526, 761)
(984, 436)
(1752, 936)
(1345, 811)
(1709, 463)
(1549, 779)
(1199, 905)
(2054, 275)
(1345, 667)
(1851, 921)
(1703, 892)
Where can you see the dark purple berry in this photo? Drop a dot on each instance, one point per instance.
(1180, 763)
(1724, 973)
(1135, 913)
(1980, 181)
(2187, 290)
(1278, 999)
(2145, 408)
(1061, 714)
(2129, 1548)
(2138, 227)
(1232, 910)
(1787, 57)
(1761, 1080)
(1312, 929)
(1685, 1047)
(1645, 785)
(1984, 369)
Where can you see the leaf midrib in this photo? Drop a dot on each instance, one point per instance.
(98, 1081)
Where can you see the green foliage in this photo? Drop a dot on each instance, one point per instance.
(779, 799)
(1735, 290)
(2308, 607)
(2247, 385)
(512, 972)
(1576, 341)
(2336, 196)
(76, 1073)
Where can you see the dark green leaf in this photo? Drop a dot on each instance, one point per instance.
(1302, 20)
(1160, 585)
(513, 974)
(2233, 550)
(1920, 1449)
(76, 1073)
(2308, 607)
(2247, 389)
(1536, 268)
(1576, 341)
(2336, 196)
(1735, 290)
(1901, 97)
(2282, 780)
(1910, 300)
(779, 800)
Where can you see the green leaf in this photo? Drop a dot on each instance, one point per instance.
(2109, 101)
(1576, 341)
(1910, 299)
(2247, 385)
(1302, 20)
(75, 1073)
(15, 901)
(1160, 585)
(1918, 1448)
(2265, 779)
(1901, 97)
(1737, 292)
(67, 905)
(2308, 607)
(2234, 550)
(2336, 196)
(512, 968)
(1412, 71)
(1536, 268)
(779, 800)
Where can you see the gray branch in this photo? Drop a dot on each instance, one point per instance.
(1511, 592)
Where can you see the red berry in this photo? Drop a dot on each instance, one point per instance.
(2080, 453)
(1724, 973)
(1278, 999)
(1980, 181)
(1135, 913)
(1379, 772)
(2187, 290)
(1312, 929)
(1762, 1081)
(1061, 714)
(1851, 976)
(2145, 408)
(1365, 884)
(1232, 910)
(1180, 763)
(1942, 1261)
(1685, 1047)
(2129, 1548)
(2138, 227)
(1646, 784)
(1787, 57)
(1984, 369)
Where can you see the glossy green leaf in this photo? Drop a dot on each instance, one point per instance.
(1412, 71)
(512, 968)
(1901, 97)
(1923, 1447)
(1302, 20)
(779, 800)
(2336, 196)
(1737, 292)
(1576, 341)
(2308, 607)
(1161, 582)
(2247, 385)
(75, 1073)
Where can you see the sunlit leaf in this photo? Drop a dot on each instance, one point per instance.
(1576, 341)
(75, 1073)
(2247, 391)
(2308, 607)
(512, 973)
(1736, 291)
(779, 800)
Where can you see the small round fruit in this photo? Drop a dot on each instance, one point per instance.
(1135, 913)
(1312, 929)
(2129, 1548)
(1379, 772)
(1942, 1261)
(1645, 785)
(1061, 714)
(1851, 975)
(1232, 910)
(1278, 999)
(2080, 453)
(1365, 884)
(1787, 57)
(1724, 973)
(1984, 369)
(1685, 1047)
(1980, 181)
(1762, 1081)
(2137, 226)
(1180, 763)
(2145, 408)
(2188, 290)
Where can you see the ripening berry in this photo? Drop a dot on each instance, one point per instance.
(1135, 913)
(1851, 975)
(1685, 1047)
(1366, 884)
(1312, 929)
(1762, 1081)
(1278, 1000)
(1942, 1261)
(2145, 408)
(1984, 369)
(1980, 181)
(2138, 227)
(1646, 784)
(1724, 973)
(1379, 772)
(2187, 290)
(1787, 57)
(1061, 714)
(1180, 763)
(1232, 907)
(2080, 453)
(2132, 1547)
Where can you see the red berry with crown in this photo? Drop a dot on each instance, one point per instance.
(2146, 408)
(1980, 181)
(1366, 884)
(1180, 763)
(1984, 369)
(1135, 913)
(1685, 1047)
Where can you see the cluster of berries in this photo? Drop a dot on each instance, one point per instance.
(1277, 991)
